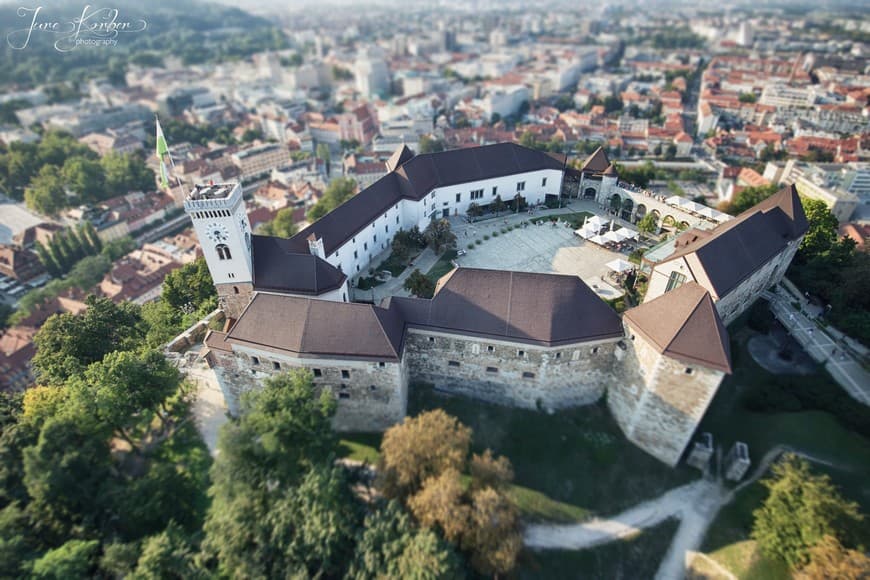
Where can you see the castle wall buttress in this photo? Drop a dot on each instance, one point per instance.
(660, 401)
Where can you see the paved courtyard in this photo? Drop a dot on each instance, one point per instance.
(537, 248)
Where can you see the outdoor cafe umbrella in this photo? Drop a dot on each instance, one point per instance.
(600, 240)
(612, 236)
(624, 234)
(620, 265)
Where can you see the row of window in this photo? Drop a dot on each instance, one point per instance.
(490, 370)
(212, 214)
(520, 352)
(478, 193)
(345, 374)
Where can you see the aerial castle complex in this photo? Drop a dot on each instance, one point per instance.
(533, 340)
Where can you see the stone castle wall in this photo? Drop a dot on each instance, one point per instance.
(511, 373)
(661, 400)
(233, 298)
(371, 395)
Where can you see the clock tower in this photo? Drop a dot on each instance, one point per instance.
(221, 224)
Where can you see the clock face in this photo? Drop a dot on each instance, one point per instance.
(217, 232)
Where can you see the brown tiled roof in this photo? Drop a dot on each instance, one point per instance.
(546, 309)
(319, 328)
(277, 268)
(597, 162)
(416, 178)
(684, 324)
(735, 249)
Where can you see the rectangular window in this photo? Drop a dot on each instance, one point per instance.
(355, 255)
(345, 374)
(431, 339)
(543, 182)
(255, 360)
(688, 371)
(476, 194)
(458, 197)
(494, 190)
(490, 348)
(344, 395)
(594, 350)
(558, 355)
(521, 353)
(452, 363)
(521, 186)
(376, 237)
(382, 364)
(317, 372)
(276, 366)
(528, 375)
(365, 245)
(387, 229)
(492, 370)
(675, 281)
(397, 219)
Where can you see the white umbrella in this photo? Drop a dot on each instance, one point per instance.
(595, 221)
(623, 233)
(708, 212)
(600, 240)
(620, 265)
(675, 200)
(612, 236)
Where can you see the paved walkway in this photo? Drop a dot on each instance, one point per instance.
(395, 286)
(209, 408)
(837, 356)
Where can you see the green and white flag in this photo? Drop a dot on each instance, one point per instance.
(162, 153)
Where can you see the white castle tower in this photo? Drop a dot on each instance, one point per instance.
(221, 223)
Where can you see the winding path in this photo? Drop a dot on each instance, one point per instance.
(695, 504)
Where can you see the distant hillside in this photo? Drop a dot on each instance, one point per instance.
(197, 32)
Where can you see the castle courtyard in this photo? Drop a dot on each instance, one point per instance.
(539, 248)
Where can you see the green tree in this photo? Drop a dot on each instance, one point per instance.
(46, 193)
(474, 210)
(339, 190)
(648, 224)
(528, 139)
(823, 228)
(670, 152)
(322, 153)
(189, 287)
(126, 172)
(493, 535)
(124, 389)
(84, 177)
(439, 236)
(801, 508)
(102, 328)
(47, 260)
(430, 144)
(390, 546)
(419, 284)
(282, 226)
(498, 205)
(66, 475)
(283, 430)
(73, 560)
(749, 197)
(168, 554)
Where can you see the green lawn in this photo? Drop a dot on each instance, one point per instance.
(818, 433)
(636, 557)
(568, 466)
(442, 266)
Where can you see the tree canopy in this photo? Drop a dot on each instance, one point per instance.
(282, 226)
(800, 510)
(339, 190)
(102, 328)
